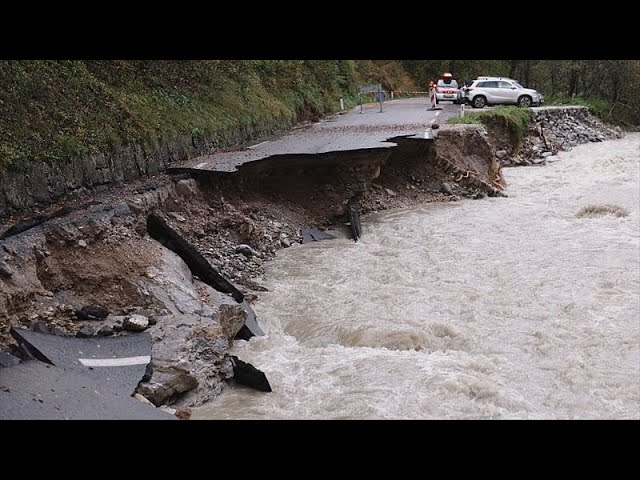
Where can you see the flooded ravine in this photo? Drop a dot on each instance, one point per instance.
(494, 308)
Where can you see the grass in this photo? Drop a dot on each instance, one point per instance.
(515, 120)
(598, 106)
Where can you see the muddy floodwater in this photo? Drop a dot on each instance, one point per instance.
(495, 308)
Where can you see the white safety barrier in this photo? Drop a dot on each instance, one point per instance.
(433, 99)
(411, 92)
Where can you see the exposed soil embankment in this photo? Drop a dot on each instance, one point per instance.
(103, 256)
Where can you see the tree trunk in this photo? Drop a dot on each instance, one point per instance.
(513, 64)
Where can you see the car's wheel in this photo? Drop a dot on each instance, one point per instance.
(525, 101)
(479, 102)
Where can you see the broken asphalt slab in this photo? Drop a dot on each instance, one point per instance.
(118, 363)
(37, 391)
(311, 234)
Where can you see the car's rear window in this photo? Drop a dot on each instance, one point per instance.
(447, 83)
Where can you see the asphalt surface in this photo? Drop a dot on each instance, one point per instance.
(78, 378)
(117, 362)
(351, 130)
(38, 391)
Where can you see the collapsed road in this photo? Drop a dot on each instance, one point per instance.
(235, 212)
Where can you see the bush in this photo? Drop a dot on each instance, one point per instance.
(516, 120)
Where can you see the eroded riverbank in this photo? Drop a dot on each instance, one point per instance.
(101, 254)
(499, 308)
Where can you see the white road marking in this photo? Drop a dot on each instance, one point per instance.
(258, 144)
(115, 362)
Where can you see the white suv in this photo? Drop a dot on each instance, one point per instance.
(500, 90)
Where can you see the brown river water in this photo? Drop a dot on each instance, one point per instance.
(493, 308)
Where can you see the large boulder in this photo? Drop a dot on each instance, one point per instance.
(167, 383)
(231, 318)
(135, 323)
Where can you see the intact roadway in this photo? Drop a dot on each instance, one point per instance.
(350, 130)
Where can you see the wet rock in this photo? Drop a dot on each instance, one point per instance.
(143, 399)
(186, 188)
(177, 216)
(92, 312)
(500, 154)
(170, 284)
(183, 413)
(231, 318)
(246, 250)
(311, 234)
(250, 297)
(166, 384)
(105, 331)
(446, 188)
(85, 332)
(135, 323)
(390, 192)
(244, 334)
(148, 373)
(246, 374)
(146, 312)
(46, 328)
(8, 360)
(136, 206)
(5, 270)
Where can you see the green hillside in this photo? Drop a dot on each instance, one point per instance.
(53, 110)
